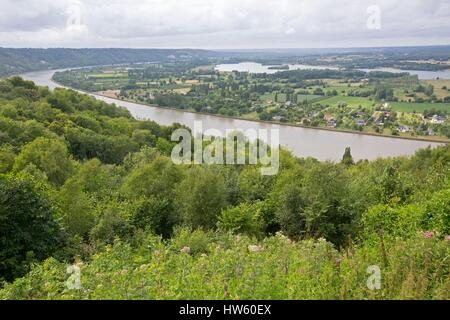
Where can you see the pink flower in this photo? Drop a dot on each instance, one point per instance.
(186, 249)
(428, 234)
(447, 237)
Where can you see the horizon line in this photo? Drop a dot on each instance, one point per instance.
(236, 49)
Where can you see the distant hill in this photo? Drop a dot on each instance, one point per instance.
(16, 61)
(20, 60)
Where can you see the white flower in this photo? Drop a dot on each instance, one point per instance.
(186, 249)
(255, 248)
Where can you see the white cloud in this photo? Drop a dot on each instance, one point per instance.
(220, 23)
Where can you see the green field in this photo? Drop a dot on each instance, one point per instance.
(310, 97)
(351, 101)
(418, 107)
(107, 75)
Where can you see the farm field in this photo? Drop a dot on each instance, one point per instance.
(310, 97)
(418, 107)
(351, 101)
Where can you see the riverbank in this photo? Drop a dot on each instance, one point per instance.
(424, 139)
(324, 145)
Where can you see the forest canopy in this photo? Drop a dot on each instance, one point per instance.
(94, 187)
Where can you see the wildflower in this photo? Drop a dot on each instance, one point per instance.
(186, 249)
(338, 261)
(280, 234)
(143, 267)
(447, 237)
(428, 234)
(124, 272)
(253, 248)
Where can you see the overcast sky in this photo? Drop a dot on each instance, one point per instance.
(216, 24)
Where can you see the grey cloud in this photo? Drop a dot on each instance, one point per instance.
(221, 23)
(21, 15)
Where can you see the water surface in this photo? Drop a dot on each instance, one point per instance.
(253, 67)
(303, 142)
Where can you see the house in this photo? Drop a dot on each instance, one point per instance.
(277, 118)
(331, 123)
(430, 132)
(360, 122)
(437, 119)
(404, 129)
(361, 114)
(329, 119)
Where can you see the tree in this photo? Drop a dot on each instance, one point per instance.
(6, 158)
(29, 230)
(143, 137)
(312, 201)
(393, 186)
(151, 187)
(157, 178)
(156, 214)
(347, 159)
(201, 197)
(252, 185)
(245, 218)
(76, 209)
(48, 155)
(112, 223)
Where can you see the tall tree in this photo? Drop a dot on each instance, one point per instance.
(347, 159)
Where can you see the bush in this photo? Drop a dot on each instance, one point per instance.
(245, 218)
(277, 268)
(197, 241)
(28, 227)
(49, 156)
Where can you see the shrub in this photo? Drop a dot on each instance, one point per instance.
(28, 227)
(245, 218)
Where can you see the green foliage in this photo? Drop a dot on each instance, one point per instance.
(14, 61)
(76, 209)
(244, 219)
(112, 222)
(190, 241)
(142, 227)
(144, 137)
(49, 156)
(405, 220)
(222, 266)
(155, 214)
(347, 158)
(312, 203)
(157, 178)
(201, 196)
(29, 230)
(7, 157)
(436, 212)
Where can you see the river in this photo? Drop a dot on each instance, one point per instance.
(253, 67)
(303, 142)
